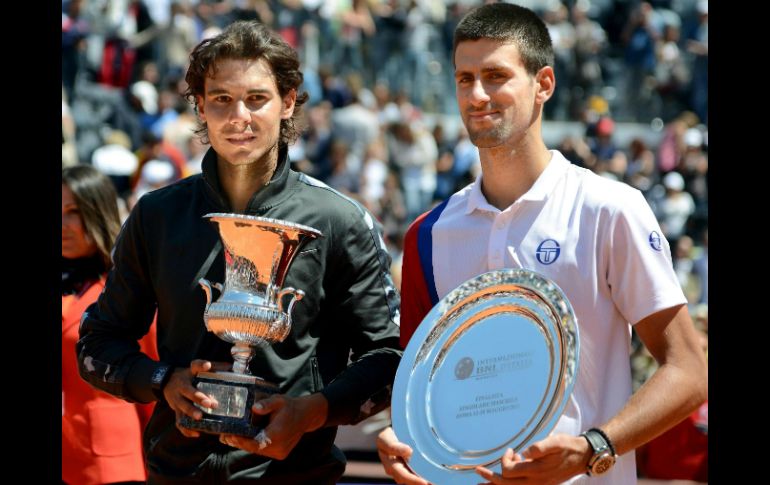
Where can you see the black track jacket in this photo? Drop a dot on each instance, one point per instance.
(350, 311)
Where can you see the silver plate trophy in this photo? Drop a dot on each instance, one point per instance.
(491, 367)
(249, 313)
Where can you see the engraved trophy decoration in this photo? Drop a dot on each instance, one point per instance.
(249, 313)
(491, 366)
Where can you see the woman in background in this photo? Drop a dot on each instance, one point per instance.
(101, 435)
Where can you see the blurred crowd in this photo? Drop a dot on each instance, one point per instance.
(381, 123)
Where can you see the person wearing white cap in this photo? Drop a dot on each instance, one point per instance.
(676, 207)
(154, 175)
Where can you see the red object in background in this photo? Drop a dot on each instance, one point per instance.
(101, 434)
(680, 453)
(117, 63)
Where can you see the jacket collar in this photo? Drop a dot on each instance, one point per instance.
(268, 196)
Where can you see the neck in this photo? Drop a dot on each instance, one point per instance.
(509, 172)
(240, 182)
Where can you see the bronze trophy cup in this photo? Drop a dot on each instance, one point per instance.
(249, 313)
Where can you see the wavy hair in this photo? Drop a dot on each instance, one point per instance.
(248, 40)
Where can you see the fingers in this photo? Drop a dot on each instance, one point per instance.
(182, 396)
(495, 478)
(182, 400)
(388, 443)
(536, 450)
(393, 454)
(198, 365)
(188, 433)
(547, 446)
(205, 400)
(510, 457)
(397, 469)
(269, 405)
(234, 440)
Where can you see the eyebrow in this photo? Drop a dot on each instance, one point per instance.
(484, 70)
(214, 92)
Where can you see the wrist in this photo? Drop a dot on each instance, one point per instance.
(159, 378)
(318, 410)
(602, 452)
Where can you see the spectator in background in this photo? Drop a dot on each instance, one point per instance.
(413, 150)
(155, 147)
(116, 160)
(701, 270)
(69, 153)
(641, 165)
(590, 42)
(355, 124)
(676, 207)
(101, 434)
(672, 74)
(374, 174)
(356, 25)
(672, 144)
(601, 143)
(683, 266)
(640, 37)
(342, 177)
(694, 166)
(154, 175)
(698, 46)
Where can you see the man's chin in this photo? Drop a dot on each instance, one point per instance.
(242, 157)
(485, 140)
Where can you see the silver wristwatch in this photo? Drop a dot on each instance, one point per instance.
(604, 453)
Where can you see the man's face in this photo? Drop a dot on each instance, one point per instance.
(495, 93)
(243, 110)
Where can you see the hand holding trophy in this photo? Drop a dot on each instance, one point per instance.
(491, 367)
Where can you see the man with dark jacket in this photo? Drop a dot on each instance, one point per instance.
(244, 84)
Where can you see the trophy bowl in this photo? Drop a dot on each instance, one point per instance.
(249, 313)
(492, 366)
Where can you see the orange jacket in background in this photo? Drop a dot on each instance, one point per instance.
(101, 434)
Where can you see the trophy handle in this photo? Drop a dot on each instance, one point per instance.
(206, 285)
(298, 295)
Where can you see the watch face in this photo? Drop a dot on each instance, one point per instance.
(603, 464)
(157, 376)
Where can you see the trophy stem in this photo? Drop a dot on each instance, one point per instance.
(242, 353)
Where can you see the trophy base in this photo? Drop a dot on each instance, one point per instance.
(235, 393)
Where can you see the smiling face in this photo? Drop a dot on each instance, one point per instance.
(499, 100)
(75, 241)
(243, 109)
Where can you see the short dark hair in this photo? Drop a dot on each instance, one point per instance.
(509, 23)
(248, 40)
(97, 202)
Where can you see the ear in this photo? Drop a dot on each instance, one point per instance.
(288, 104)
(546, 82)
(201, 108)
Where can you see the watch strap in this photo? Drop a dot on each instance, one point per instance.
(602, 452)
(606, 439)
(159, 379)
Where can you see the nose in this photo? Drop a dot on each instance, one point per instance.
(240, 113)
(478, 95)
